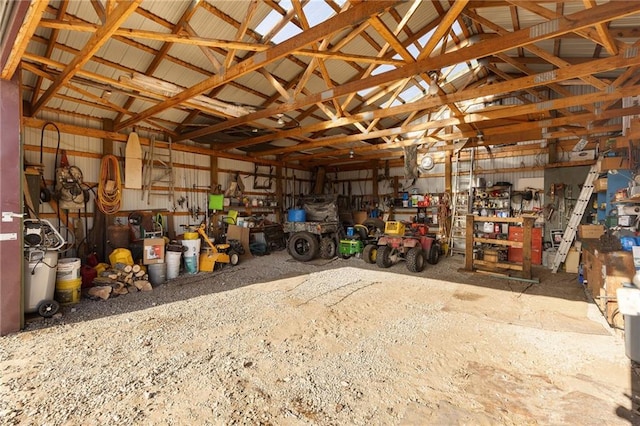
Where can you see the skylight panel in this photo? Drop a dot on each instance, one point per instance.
(414, 51)
(382, 69)
(288, 31)
(272, 19)
(317, 12)
(268, 23)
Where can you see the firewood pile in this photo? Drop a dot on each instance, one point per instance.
(118, 280)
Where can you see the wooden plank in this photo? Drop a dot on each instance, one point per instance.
(519, 219)
(509, 277)
(502, 265)
(526, 246)
(514, 244)
(31, 211)
(133, 163)
(468, 248)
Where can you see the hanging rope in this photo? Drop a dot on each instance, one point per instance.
(109, 186)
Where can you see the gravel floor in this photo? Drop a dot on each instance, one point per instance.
(275, 341)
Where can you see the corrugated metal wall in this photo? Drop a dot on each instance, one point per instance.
(192, 179)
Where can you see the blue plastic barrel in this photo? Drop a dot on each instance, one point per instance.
(297, 215)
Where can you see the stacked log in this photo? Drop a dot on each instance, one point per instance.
(118, 280)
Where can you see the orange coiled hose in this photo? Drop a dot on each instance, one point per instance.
(109, 198)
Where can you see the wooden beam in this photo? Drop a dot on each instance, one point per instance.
(17, 33)
(477, 117)
(100, 37)
(520, 38)
(350, 17)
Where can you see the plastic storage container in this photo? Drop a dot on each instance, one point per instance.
(297, 215)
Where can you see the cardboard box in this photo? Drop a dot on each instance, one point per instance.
(600, 185)
(590, 231)
(153, 251)
(589, 154)
(572, 261)
(240, 233)
(613, 163)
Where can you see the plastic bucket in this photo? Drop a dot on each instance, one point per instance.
(68, 291)
(157, 273)
(192, 247)
(173, 264)
(121, 255)
(191, 255)
(39, 279)
(68, 269)
(191, 264)
(190, 236)
(297, 215)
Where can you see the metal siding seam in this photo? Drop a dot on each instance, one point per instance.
(545, 105)
(544, 28)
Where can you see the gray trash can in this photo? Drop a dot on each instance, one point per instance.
(632, 337)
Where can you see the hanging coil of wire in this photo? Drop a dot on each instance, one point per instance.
(109, 196)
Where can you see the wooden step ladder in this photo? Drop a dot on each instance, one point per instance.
(576, 216)
(158, 169)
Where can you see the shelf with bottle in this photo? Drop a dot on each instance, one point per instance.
(492, 201)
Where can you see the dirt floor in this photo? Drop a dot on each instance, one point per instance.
(274, 341)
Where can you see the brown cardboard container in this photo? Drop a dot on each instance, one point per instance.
(572, 261)
(241, 234)
(600, 185)
(613, 163)
(153, 251)
(590, 231)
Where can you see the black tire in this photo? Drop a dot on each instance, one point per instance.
(374, 225)
(48, 308)
(415, 260)
(361, 232)
(383, 257)
(234, 257)
(434, 254)
(370, 253)
(344, 256)
(303, 246)
(327, 248)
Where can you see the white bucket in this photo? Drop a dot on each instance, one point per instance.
(68, 269)
(191, 255)
(193, 247)
(173, 264)
(157, 273)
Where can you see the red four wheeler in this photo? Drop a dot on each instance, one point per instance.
(415, 248)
